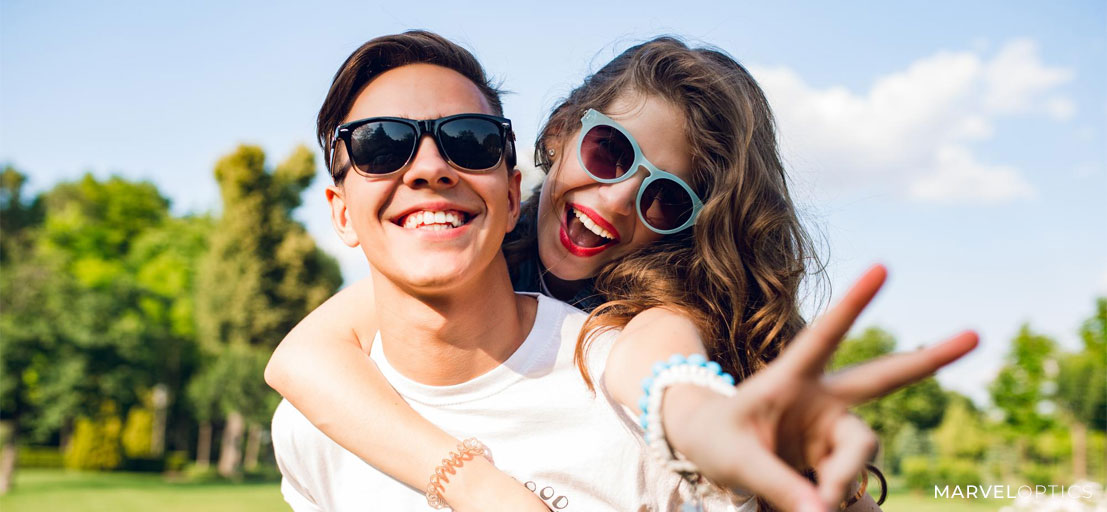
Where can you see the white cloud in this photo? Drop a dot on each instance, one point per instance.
(1060, 108)
(959, 177)
(912, 129)
(974, 128)
(1016, 76)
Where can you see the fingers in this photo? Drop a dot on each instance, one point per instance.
(815, 344)
(881, 376)
(853, 445)
(765, 475)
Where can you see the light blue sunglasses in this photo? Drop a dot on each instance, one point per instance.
(609, 154)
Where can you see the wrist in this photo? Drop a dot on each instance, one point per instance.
(479, 485)
(463, 492)
(695, 371)
(468, 450)
(680, 414)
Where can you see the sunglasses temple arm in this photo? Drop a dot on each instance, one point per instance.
(334, 152)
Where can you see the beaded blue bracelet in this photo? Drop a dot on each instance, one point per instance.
(695, 369)
(677, 361)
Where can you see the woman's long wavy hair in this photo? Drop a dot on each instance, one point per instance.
(737, 273)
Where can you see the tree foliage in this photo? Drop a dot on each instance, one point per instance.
(106, 348)
(261, 274)
(1018, 387)
(97, 305)
(1082, 377)
(962, 433)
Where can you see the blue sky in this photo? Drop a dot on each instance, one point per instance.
(962, 144)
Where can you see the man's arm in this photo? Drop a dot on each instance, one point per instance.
(323, 369)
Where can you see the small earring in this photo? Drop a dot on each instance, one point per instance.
(550, 152)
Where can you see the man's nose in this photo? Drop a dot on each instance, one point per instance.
(429, 167)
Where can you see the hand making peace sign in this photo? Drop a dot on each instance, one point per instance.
(791, 415)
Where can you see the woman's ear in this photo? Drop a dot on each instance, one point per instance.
(550, 149)
(340, 215)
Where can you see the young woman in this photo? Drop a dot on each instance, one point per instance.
(666, 202)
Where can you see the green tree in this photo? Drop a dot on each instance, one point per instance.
(26, 333)
(17, 214)
(1022, 391)
(103, 304)
(1018, 387)
(164, 262)
(105, 351)
(1082, 386)
(203, 392)
(261, 274)
(962, 434)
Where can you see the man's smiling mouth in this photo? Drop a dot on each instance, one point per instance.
(434, 220)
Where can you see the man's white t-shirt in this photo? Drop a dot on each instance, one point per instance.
(578, 451)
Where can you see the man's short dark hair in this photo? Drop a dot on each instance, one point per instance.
(389, 52)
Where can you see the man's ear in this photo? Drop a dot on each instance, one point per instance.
(340, 215)
(514, 184)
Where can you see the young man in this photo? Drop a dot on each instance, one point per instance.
(458, 344)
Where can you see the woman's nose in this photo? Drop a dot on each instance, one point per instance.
(619, 197)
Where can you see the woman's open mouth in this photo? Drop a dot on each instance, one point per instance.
(582, 233)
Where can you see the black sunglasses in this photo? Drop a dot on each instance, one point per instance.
(383, 145)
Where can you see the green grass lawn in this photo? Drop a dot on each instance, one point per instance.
(37, 490)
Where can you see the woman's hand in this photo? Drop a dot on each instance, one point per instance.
(790, 415)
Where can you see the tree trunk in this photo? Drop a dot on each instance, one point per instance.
(253, 446)
(157, 433)
(8, 453)
(1079, 434)
(230, 454)
(203, 445)
(65, 433)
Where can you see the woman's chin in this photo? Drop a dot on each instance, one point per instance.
(565, 270)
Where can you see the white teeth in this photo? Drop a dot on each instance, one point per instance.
(588, 223)
(434, 221)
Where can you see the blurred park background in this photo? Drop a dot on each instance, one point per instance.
(162, 222)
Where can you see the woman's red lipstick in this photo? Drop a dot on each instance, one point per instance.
(579, 251)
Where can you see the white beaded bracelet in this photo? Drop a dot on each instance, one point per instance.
(678, 370)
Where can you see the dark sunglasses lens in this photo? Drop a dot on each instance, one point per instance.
(472, 143)
(666, 205)
(606, 152)
(381, 147)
